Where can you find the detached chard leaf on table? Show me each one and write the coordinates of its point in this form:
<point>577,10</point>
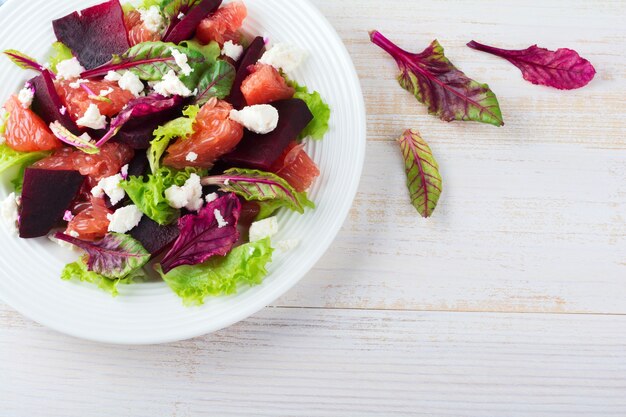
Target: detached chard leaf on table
<point>444,89</point>
<point>563,69</point>
<point>423,178</point>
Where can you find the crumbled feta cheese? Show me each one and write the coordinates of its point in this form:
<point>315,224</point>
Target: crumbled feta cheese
<point>111,187</point>
<point>182,61</point>
<point>9,212</point>
<point>131,82</point>
<point>284,246</point>
<point>180,16</point>
<point>63,243</point>
<point>26,95</point>
<point>220,219</point>
<point>192,157</point>
<point>152,19</point>
<point>211,197</point>
<point>92,118</point>
<point>125,219</point>
<point>284,56</point>
<point>76,84</point>
<point>113,76</point>
<point>124,171</point>
<point>63,110</point>
<point>69,69</point>
<point>261,118</point>
<point>188,196</point>
<point>232,50</point>
<point>74,234</point>
<point>104,93</point>
<point>171,85</point>
<point>263,228</point>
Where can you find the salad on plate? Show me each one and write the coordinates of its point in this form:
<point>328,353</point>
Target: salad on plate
<point>159,136</point>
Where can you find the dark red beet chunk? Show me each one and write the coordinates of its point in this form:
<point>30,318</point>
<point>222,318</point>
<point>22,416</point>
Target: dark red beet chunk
<point>45,197</point>
<point>181,30</point>
<point>47,103</point>
<point>139,165</point>
<point>250,57</point>
<point>154,237</point>
<point>94,34</point>
<point>262,151</point>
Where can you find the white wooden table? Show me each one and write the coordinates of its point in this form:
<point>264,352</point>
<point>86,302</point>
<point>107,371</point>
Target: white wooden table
<point>511,301</point>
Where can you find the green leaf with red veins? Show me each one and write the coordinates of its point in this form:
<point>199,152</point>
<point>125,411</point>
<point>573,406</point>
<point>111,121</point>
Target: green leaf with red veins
<point>422,171</point>
<point>444,89</point>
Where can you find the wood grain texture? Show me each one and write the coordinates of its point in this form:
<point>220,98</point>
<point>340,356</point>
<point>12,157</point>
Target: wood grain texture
<point>403,316</point>
<point>312,362</point>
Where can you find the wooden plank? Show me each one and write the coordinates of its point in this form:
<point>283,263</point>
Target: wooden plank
<point>311,362</point>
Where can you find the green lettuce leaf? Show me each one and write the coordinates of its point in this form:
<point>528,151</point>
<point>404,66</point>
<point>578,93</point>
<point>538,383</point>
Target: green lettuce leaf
<point>60,52</point>
<point>321,112</point>
<point>163,135</point>
<point>10,158</point>
<point>78,271</point>
<point>245,265</point>
<point>148,194</point>
<point>217,81</point>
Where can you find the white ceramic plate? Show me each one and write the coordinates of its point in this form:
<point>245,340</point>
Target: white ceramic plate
<point>151,313</point>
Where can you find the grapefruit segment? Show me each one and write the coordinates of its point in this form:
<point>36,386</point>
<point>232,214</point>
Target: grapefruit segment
<point>77,100</point>
<point>222,26</point>
<point>137,31</point>
<point>25,131</point>
<point>296,167</point>
<point>265,85</point>
<point>92,223</point>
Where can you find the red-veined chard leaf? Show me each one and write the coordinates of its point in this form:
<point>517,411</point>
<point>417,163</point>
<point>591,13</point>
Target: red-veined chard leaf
<point>422,171</point>
<point>213,231</point>
<point>445,90</point>
<point>261,186</point>
<point>217,81</point>
<point>139,107</point>
<point>83,142</point>
<point>115,256</point>
<point>193,11</point>
<point>563,69</point>
<point>150,61</point>
<point>24,61</point>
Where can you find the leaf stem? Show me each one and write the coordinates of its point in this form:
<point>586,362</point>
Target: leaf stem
<point>388,46</point>
<point>485,48</point>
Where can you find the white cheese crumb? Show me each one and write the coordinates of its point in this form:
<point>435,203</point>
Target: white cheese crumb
<point>180,16</point>
<point>261,118</point>
<point>63,110</point>
<point>69,69</point>
<point>182,61</point>
<point>74,234</point>
<point>171,85</point>
<point>188,196</point>
<point>152,19</point>
<point>111,187</point>
<point>192,157</point>
<point>124,171</point>
<point>92,118</point>
<point>76,84</point>
<point>232,50</point>
<point>26,95</point>
<point>113,76</point>
<point>284,246</point>
<point>9,212</point>
<point>104,93</point>
<point>211,197</point>
<point>263,228</point>
<point>131,82</point>
<point>284,56</point>
<point>220,219</point>
<point>125,219</point>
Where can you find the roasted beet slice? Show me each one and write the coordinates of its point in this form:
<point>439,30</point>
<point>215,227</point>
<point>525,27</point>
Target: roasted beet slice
<point>45,197</point>
<point>262,151</point>
<point>94,34</point>
<point>251,56</point>
<point>139,165</point>
<point>137,132</point>
<point>47,103</point>
<point>154,237</point>
<point>181,30</point>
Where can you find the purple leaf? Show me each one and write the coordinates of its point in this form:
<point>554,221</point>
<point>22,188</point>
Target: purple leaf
<point>24,61</point>
<point>94,34</point>
<point>115,256</point>
<point>140,107</point>
<point>194,11</point>
<point>213,231</point>
<point>563,69</point>
<point>47,103</point>
<point>83,142</point>
<point>444,89</point>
